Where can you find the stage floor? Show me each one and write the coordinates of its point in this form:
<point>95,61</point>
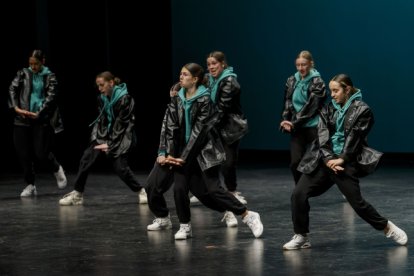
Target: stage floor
<point>108,236</point>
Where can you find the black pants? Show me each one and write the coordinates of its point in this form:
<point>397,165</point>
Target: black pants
<point>301,138</point>
<point>34,143</point>
<point>228,168</point>
<point>159,182</point>
<point>120,165</point>
<point>206,186</point>
<point>319,182</point>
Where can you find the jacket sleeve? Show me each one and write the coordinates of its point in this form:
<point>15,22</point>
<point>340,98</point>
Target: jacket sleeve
<point>286,112</point>
<point>162,145</point>
<point>172,125</point>
<point>14,89</point>
<point>199,130</point>
<point>324,140</point>
<point>357,134</point>
<point>49,103</point>
<point>121,123</point>
<point>228,89</point>
<point>165,129</point>
<point>316,99</point>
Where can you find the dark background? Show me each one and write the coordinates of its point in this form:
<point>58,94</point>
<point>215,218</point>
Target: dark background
<point>82,39</point>
<point>370,40</point>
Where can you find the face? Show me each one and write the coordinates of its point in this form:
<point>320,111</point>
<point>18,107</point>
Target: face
<point>214,67</point>
<point>186,79</point>
<point>338,93</point>
<point>35,64</point>
<point>104,86</point>
<point>303,66</point>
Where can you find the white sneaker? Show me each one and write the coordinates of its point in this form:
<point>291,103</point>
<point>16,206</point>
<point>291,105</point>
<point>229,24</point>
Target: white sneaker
<point>61,178</point>
<point>230,219</point>
<point>397,234</point>
<point>72,198</point>
<point>30,190</point>
<point>252,219</point>
<point>194,200</point>
<point>160,224</point>
<point>184,233</point>
<point>239,197</point>
<point>142,196</point>
<point>298,241</point>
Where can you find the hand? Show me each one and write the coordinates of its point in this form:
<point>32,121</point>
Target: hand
<point>102,147</point>
<point>336,164</point>
<point>174,161</point>
<point>174,89</point>
<point>25,113</point>
<point>286,125</point>
<point>161,160</point>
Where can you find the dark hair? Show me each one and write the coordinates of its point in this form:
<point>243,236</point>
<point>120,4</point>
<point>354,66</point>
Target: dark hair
<point>196,71</point>
<point>108,76</point>
<point>219,56</point>
<point>38,54</point>
<point>345,81</point>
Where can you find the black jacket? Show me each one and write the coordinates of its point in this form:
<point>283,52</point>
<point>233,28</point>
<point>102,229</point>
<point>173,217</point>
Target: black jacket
<point>204,144</point>
<point>121,135</point>
<point>20,90</point>
<point>316,99</point>
<point>231,121</point>
<point>359,120</point>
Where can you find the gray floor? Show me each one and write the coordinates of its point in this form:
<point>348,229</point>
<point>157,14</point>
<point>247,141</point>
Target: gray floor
<point>107,236</point>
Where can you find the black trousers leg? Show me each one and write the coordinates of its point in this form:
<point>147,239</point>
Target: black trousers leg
<point>228,169</point>
<point>124,172</point>
<point>88,159</point>
<point>308,186</point>
<point>159,182</point>
<point>348,184</point>
<point>22,138</point>
<point>300,139</point>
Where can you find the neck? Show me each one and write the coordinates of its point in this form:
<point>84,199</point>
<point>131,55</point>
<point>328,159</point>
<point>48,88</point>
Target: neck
<point>190,92</point>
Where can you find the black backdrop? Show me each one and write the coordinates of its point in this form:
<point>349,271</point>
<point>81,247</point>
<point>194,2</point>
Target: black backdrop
<point>81,39</point>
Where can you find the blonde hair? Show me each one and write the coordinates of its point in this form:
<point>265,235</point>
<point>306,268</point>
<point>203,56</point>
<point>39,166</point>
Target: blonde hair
<point>308,56</point>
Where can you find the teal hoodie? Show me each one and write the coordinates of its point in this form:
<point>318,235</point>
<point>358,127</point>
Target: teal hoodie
<point>213,83</point>
<point>300,94</point>
<point>118,92</point>
<point>37,97</point>
<point>187,104</point>
<point>338,139</point>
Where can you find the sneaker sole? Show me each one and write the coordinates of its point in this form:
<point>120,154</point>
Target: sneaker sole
<point>160,229</point>
<point>305,246</point>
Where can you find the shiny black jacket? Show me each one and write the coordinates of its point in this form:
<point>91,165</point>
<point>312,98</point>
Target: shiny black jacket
<point>20,90</point>
<point>121,135</point>
<point>204,144</point>
<point>359,120</point>
<point>231,121</point>
<point>316,99</point>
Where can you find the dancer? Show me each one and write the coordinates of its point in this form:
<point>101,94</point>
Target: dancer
<point>112,136</point>
<point>32,96</point>
<point>195,153</point>
<point>305,95</point>
<point>339,156</point>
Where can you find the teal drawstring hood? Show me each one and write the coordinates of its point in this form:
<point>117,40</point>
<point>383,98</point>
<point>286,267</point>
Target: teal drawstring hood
<point>187,103</point>
<point>37,97</point>
<point>338,139</point>
<point>118,92</point>
<point>300,94</point>
<point>213,83</point>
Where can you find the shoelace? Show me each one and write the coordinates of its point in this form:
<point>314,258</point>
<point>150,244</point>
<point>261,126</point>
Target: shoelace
<point>251,221</point>
<point>395,234</point>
